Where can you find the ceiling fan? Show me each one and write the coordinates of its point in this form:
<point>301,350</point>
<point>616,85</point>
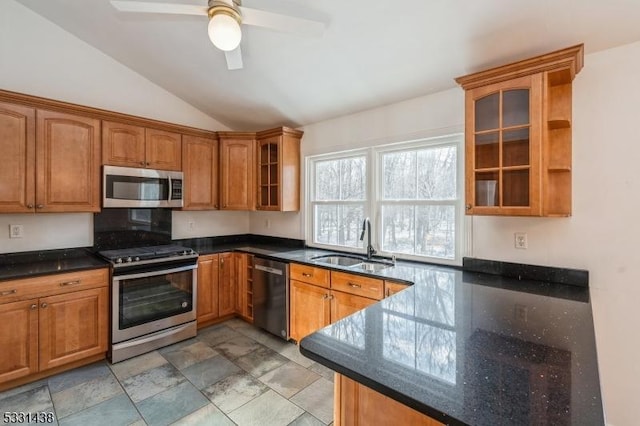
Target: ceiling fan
<point>225,17</point>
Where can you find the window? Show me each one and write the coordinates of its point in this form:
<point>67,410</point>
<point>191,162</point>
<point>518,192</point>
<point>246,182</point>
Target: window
<point>338,203</point>
<point>415,205</point>
<point>418,201</point>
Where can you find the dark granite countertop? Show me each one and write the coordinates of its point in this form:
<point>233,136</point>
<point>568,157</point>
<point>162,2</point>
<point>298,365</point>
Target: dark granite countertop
<point>34,263</point>
<point>472,348</point>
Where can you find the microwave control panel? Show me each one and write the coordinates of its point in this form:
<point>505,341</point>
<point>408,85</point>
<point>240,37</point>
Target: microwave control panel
<point>176,189</point>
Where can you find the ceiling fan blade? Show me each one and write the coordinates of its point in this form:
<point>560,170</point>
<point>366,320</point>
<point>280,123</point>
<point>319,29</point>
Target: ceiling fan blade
<point>234,59</point>
<point>167,8</point>
<point>283,23</point>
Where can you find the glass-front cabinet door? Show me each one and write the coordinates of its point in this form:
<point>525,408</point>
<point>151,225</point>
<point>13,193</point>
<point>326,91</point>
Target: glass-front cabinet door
<point>503,129</point>
<point>269,174</point>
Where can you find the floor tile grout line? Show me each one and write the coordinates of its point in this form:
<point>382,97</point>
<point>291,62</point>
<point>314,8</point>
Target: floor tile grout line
<point>250,332</point>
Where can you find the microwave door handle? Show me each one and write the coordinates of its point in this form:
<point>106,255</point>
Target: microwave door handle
<point>170,189</point>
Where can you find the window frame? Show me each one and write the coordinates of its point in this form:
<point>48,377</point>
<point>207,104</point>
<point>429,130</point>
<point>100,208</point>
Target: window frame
<point>311,203</point>
<point>374,201</point>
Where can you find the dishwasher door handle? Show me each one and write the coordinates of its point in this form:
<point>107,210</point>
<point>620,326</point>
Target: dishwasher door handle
<point>268,269</point>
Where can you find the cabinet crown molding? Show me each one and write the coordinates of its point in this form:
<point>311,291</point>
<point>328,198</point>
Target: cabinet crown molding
<point>570,60</point>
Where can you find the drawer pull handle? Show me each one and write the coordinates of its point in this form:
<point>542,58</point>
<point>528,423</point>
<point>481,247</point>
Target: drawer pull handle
<point>34,306</point>
<point>8,292</point>
<point>68,283</point>
<point>354,285</point>
<point>44,305</point>
<point>304,274</point>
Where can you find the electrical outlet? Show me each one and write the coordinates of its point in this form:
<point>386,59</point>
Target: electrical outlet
<point>520,240</point>
<point>16,231</point>
<point>520,312</point>
<point>191,225</point>
<point>267,224</point>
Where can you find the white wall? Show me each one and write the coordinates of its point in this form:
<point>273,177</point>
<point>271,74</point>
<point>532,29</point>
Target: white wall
<point>600,236</point>
<point>39,58</point>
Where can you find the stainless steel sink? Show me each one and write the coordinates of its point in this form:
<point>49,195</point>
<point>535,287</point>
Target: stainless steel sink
<point>352,262</point>
<point>371,266</point>
<point>338,260</point>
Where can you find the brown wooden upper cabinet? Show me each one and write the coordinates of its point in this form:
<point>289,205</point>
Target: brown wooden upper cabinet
<point>518,136</point>
<point>237,165</point>
<point>278,169</point>
<point>134,146</point>
<point>51,161</point>
<point>200,167</point>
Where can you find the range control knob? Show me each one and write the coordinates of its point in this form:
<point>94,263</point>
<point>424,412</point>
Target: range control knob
<point>137,259</point>
<point>192,252</point>
<point>184,253</point>
<point>119,260</point>
<point>129,259</point>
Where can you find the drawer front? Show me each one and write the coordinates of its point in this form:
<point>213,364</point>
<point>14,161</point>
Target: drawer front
<point>393,287</point>
<point>357,284</point>
<point>309,274</point>
<point>47,285</point>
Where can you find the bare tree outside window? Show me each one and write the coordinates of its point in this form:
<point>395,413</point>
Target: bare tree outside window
<point>412,198</point>
<point>418,201</point>
<point>340,194</point>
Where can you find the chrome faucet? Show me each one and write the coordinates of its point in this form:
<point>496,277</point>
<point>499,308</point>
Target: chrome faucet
<point>366,226</point>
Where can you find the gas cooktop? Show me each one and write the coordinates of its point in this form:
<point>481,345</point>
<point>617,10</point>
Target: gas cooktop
<point>150,254</point>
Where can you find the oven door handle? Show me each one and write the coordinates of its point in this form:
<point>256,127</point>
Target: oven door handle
<point>154,273</point>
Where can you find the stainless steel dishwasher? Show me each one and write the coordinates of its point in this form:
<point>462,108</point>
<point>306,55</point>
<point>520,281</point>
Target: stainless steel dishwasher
<point>271,296</point>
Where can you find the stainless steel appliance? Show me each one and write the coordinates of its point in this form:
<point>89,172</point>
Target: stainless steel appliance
<point>271,296</point>
<point>153,298</point>
<point>139,188</point>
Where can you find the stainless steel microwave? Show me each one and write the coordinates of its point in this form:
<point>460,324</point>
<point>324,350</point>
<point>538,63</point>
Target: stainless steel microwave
<point>131,187</point>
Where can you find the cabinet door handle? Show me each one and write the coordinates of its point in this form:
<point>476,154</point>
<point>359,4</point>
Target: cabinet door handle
<point>148,164</point>
<point>44,305</point>
<point>68,283</point>
<point>304,274</point>
<point>34,306</point>
<point>215,206</point>
<point>354,285</point>
<point>142,163</point>
<point>388,292</point>
<point>29,206</point>
<point>468,207</point>
<point>39,206</point>
<point>8,292</point>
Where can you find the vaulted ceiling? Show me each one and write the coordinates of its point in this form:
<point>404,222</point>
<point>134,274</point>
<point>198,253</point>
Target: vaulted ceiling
<point>372,53</point>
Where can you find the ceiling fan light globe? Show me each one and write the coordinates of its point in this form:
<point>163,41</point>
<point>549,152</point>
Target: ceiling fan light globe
<point>224,32</point>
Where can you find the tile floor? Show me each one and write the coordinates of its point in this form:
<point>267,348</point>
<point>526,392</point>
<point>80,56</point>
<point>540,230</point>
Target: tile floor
<point>231,373</point>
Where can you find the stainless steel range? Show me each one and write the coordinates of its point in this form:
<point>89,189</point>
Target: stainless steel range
<point>153,298</point>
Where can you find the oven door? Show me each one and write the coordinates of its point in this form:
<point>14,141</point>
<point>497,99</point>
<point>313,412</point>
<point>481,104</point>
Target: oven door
<point>142,188</point>
<point>147,301</point>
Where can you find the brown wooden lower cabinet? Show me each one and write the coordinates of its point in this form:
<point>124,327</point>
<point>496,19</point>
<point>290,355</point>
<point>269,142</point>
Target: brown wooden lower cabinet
<point>313,307</point>
<point>345,304</point>
<point>310,309</point>
<point>18,339</point>
<point>227,290</point>
<point>207,304</point>
<point>224,287</point>
<point>73,326</point>
<point>50,321</point>
<point>356,404</point>
<point>244,283</point>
